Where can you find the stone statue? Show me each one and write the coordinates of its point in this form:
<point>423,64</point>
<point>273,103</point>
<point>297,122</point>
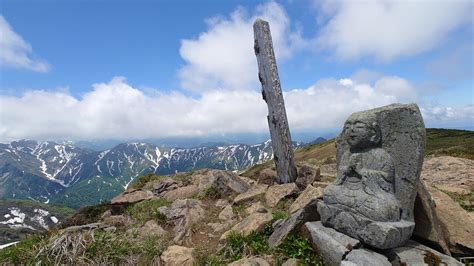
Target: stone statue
<point>379,158</point>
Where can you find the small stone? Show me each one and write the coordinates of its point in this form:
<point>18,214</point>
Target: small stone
<point>118,220</point>
<point>252,261</point>
<point>367,257</point>
<point>306,175</point>
<point>221,203</point>
<point>218,227</point>
<point>181,193</point>
<point>178,255</point>
<point>151,228</point>
<point>120,203</point>
<point>320,184</point>
<point>291,262</point>
<point>256,207</point>
<point>329,243</point>
<point>183,214</point>
<point>251,194</point>
<point>309,194</point>
<point>267,176</point>
<point>247,180</point>
<point>414,253</point>
<point>276,193</point>
<point>225,182</point>
<point>253,222</point>
<point>227,214</point>
<point>293,224</point>
<point>164,185</point>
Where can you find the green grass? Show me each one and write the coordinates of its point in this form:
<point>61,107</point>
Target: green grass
<point>239,208</point>
<point>280,214</point>
<point>147,210</point>
<point>24,252</point>
<point>141,181</point>
<point>451,142</point>
<point>296,246</point>
<point>211,192</point>
<point>238,246</point>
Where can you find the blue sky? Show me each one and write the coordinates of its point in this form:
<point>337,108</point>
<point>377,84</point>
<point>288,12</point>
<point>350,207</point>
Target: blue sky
<point>86,70</point>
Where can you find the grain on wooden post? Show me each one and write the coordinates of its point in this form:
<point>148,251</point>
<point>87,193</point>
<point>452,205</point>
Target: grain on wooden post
<point>273,96</point>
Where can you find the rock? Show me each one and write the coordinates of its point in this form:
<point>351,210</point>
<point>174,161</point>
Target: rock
<point>267,176</point>
<point>253,222</point>
<point>428,226</point>
<point>309,194</point>
<point>307,175</point>
<point>118,220</point>
<point>448,171</point>
<point>247,180</point>
<point>329,243</point>
<point>379,157</point>
<point>451,189</point>
<point>151,228</point>
<point>291,262</point>
<point>252,261</point>
<point>251,194</point>
<point>226,183</point>
<point>183,214</point>
<point>457,224</point>
<point>177,256</point>
<point>320,184</point>
<point>221,203</point>
<point>276,193</point>
<point>218,227</point>
<point>256,207</point>
<point>123,200</point>
<point>227,214</point>
<point>164,185</point>
<point>365,257</point>
<point>413,253</point>
<point>293,224</point>
<point>185,192</point>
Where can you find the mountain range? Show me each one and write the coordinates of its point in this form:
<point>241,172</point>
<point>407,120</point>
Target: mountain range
<point>64,174</point>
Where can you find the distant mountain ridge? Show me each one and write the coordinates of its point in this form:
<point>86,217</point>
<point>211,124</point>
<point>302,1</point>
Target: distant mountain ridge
<point>64,174</point>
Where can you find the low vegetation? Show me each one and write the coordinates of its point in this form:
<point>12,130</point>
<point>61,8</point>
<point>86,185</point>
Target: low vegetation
<point>141,181</point>
<point>92,247</point>
<point>256,244</point>
<point>451,142</point>
<point>148,210</point>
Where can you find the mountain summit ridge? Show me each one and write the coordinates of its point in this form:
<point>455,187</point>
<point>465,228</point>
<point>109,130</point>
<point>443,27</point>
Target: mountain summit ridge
<point>50,171</point>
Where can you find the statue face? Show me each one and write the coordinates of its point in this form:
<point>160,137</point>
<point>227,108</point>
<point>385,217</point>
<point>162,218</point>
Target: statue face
<point>359,134</point>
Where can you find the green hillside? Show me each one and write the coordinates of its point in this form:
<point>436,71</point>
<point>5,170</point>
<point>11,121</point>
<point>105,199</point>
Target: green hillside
<point>439,141</point>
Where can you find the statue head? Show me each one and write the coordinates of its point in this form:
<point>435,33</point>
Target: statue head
<point>362,131</point>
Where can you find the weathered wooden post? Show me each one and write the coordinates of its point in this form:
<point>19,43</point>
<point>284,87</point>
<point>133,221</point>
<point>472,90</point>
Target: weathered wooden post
<point>271,92</point>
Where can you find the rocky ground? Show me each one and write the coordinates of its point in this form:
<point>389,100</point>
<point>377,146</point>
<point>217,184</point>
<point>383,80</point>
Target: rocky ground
<point>214,217</point>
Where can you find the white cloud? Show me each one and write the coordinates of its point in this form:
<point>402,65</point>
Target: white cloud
<point>389,29</point>
<point>223,56</point>
<point>117,110</point>
<point>460,116</point>
<point>16,52</point>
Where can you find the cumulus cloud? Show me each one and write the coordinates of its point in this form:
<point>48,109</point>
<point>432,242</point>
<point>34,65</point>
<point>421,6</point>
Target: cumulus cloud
<point>389,29</point>
<point>16,52</point>
<point>117,110</point>
<point>223,58</point>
